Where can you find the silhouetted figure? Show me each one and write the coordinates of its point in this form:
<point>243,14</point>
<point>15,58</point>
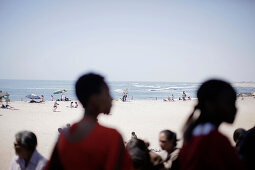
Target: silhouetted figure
<point>247,149</point>
<point>139,154</point>
<point>27,155</point>
<point>238,136</point>
<point>204,146</point>
<point>87,144</point>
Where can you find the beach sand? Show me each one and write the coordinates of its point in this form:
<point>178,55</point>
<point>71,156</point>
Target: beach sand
<point>146,118</point>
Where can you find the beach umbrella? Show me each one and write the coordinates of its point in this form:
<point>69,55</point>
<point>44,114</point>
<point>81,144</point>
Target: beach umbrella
<point>59,91</point>
<point>3,94</point>
<point>33,96</point>
<point>119,90</point>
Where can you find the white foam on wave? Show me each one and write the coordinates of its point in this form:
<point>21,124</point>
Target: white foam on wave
<point>47,89</point>
<point>146,86</point>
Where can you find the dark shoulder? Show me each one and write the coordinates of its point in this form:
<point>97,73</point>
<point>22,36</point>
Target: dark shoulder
<point>219,136</point>
<point>110,132</point>
<point>220,140</point>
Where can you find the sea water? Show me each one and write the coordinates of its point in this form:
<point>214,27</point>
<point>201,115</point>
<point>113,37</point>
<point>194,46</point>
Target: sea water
<point>19,89</point>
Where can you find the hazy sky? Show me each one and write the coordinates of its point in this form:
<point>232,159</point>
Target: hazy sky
<point>150,40</point>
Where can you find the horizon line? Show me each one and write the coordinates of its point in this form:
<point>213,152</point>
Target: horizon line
<point>128,81</point>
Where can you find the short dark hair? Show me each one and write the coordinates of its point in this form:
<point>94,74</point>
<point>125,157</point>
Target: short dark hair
<point>240,132</point>
<point>139,154</point>
<point>170,135</point>
<point>211,89</point>
<point>26,139</point>
<point>87,85</point>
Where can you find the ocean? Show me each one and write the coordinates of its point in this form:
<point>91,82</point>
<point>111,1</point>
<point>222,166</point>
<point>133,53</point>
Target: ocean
<point>18,89</point>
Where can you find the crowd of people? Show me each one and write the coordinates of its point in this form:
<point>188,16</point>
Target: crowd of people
<point>89,145</point>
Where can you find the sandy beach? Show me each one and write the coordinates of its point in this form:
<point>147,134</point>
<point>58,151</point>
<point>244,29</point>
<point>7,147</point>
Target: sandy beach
<point>146,118</point>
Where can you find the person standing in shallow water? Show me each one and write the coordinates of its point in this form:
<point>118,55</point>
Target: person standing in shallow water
<point>204,146</point>
<point>87,144</point>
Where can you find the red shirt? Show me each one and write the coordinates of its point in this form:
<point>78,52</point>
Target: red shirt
<point>101,149</point>
<point>209,152</point>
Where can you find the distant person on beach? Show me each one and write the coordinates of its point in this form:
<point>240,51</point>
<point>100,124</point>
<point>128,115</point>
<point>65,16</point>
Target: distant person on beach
<point>27,157</point>
<point>42,99</point>
<point>55,106</point>
<point>184,96</point>
<point>168,142</point>
<point>87,144</point>
<point>133,135</point>
<point>63,96</point>
<point>124,95</point>
<point>76,105</point>
<point>204,146</point>
<point>71,105</point>
<point>51,98</point>
<point>126,92</point>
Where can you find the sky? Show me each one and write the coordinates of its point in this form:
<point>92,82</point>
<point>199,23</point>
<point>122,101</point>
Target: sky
<point>132,40</point>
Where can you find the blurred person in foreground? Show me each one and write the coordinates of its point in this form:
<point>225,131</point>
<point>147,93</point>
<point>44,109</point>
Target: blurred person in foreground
<point>246,149</point>
<point>142,157</point>
<point>168,143</point>
<point>27,157</point>
<point>238,136</point>
<point>204,146</point>
<point>87,144</point>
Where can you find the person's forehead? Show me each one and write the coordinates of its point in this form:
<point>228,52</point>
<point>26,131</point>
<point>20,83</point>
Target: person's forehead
<point>162,136</point>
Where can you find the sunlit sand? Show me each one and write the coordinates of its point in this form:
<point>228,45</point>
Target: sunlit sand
<point>146,118</point>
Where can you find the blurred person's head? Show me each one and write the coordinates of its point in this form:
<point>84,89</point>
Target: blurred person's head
<point>25,143</point>
<point>167,140</point>
<point>60,130</point>
<point>139,154</point>
<point>93,93</point>
<point>216,104</point>
<point>238,134</point>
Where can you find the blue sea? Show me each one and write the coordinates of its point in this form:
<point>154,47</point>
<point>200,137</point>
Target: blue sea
<point>138,90</point>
